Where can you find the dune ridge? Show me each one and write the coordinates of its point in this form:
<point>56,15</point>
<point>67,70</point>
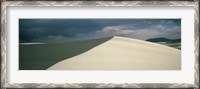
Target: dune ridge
<point>121,53</point>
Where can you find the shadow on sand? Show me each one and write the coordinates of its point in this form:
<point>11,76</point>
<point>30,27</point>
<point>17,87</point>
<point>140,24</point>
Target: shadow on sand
<point>42,56</point>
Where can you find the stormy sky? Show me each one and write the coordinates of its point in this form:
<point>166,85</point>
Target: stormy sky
<point>59,30</point>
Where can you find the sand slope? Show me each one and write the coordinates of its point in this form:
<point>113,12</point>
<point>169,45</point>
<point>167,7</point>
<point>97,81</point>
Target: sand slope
<point>34,56</point>
<point>120,53</point>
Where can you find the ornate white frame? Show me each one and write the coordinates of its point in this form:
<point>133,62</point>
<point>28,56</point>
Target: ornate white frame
<point>5,4</point>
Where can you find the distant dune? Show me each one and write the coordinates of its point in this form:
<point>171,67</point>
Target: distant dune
<point>174,45</point>
<point>120,53</point>
<point>30,43</point>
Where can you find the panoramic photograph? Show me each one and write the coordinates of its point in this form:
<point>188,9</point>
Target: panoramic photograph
<point>100,44</point>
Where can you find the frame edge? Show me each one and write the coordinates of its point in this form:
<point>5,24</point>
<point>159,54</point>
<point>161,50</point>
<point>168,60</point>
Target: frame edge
<point>93,85</point>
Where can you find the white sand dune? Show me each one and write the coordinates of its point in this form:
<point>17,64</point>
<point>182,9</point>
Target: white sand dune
<point>120,53</point>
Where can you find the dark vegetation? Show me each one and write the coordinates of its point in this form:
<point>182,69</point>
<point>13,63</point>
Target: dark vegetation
<point>164,40</point>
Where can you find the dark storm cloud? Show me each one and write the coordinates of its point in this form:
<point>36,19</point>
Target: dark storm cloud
<point>34,30</point>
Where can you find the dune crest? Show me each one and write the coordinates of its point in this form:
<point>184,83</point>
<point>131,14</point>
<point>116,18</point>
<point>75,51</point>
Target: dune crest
<point>121,53</point>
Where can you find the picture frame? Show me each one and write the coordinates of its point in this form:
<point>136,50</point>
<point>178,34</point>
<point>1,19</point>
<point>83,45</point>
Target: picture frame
<point>4,40</point>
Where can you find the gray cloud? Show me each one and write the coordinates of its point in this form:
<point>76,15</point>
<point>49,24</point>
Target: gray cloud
<point>143,34</point>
